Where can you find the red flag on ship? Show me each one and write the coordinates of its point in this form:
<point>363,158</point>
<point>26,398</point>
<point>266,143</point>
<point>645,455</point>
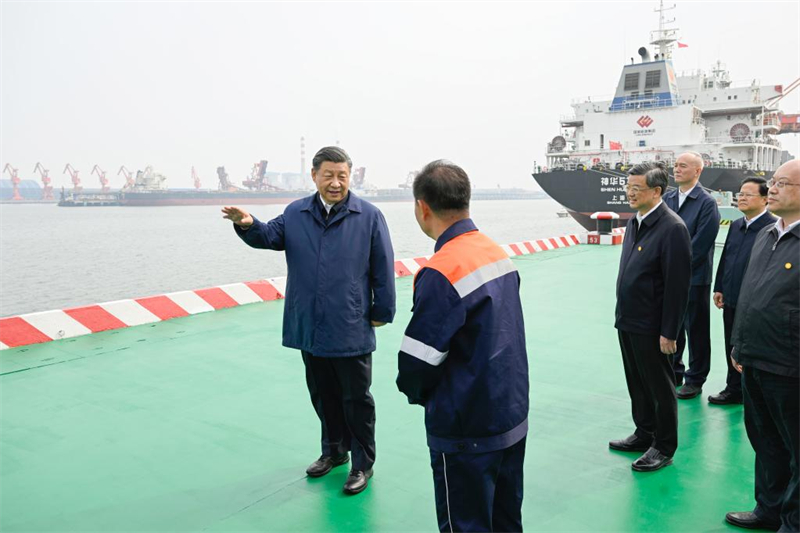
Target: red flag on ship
<point>681,45</point>
<point>613,145</point>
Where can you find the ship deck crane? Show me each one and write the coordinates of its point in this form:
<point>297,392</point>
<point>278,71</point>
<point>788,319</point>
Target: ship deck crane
<point>103,180</point>
<point>783,123</point>
<point>14,181</point>
<point>129,179</point>
<point>76,181</point>
<point>47,189</point>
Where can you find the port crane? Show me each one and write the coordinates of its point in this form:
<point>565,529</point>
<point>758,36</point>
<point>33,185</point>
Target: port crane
<point>103,180</point>
<point>129,179</point>
<point>196,179</point>
<point>14,180</point>
<point>47,189</point>
<point>76,181</point>
<point>257,180</point>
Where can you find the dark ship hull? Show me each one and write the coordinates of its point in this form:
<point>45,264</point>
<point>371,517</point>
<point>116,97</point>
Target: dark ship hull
<point>583,192</point>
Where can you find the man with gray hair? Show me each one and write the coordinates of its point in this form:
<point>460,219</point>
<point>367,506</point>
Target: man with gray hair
<point>700,214</point>
<point>340,287</point>
<point>766,350</point>
<point>652,292</point>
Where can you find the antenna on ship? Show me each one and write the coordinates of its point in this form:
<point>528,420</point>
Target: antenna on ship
<point>664,36</point>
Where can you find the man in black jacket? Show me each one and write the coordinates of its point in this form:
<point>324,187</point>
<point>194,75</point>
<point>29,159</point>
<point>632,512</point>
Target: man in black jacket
<point>699,211</point>
<point>766,349</point>
<point>752,201</point>
<point>652,293</point>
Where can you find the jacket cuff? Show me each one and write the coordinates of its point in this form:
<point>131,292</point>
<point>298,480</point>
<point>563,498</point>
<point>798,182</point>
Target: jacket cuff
<point>381,314</point>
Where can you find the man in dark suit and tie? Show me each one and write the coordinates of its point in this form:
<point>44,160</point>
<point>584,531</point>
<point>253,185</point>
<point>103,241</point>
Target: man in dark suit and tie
<point>752,201</point>
<point>700,214</point>
<point>652,294</point>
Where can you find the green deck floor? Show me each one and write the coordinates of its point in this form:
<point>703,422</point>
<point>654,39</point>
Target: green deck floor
<point>204,424</point>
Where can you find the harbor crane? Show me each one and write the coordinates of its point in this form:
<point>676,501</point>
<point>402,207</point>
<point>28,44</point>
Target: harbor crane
<point>103,180</point>
<point>76,181</point>
<point>129,179</point>
<point>14,181</point>
<point>47,189</point>
<point>196,179</point>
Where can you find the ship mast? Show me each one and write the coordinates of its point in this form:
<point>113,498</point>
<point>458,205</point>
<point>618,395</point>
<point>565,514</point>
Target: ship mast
<point>664,36</point>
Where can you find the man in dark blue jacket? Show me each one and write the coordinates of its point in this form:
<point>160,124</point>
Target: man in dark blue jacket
<point>340,286</point>
<point>652,291</point>
<point>766,350</point>
<point>463,358</point>
<point>752,201</point>
<point>700,214</point>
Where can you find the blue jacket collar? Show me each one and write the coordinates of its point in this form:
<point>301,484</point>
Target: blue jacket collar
<point>351,203</point>
<point>458,228</point>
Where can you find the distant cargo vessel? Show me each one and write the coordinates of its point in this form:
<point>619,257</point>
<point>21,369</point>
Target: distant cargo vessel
<point>148,189</point>
<point>656,115</point>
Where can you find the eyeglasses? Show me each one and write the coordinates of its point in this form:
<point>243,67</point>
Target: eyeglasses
<point>741,195</point>
<point>781,184</point>
<point>636,190</point>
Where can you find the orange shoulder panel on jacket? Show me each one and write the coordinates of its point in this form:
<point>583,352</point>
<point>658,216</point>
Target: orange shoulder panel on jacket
<point>465,254</point>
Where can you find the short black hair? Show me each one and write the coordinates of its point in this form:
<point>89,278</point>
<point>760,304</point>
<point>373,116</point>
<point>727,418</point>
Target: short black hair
<point>654,172</point>
<point>443,186</point>
<point>333,154</point>
<point>763,189</point>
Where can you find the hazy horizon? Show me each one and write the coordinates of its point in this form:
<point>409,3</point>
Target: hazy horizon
<point>176,85</point>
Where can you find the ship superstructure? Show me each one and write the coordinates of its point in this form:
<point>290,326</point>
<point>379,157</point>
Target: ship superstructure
<point>657,114</point>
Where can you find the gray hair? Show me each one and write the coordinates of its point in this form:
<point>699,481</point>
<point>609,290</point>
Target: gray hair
<point>654,172</point>
<point>332,154</point>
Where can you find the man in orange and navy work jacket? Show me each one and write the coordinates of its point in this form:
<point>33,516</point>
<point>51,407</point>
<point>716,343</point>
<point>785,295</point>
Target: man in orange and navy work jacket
<point>463,358</point>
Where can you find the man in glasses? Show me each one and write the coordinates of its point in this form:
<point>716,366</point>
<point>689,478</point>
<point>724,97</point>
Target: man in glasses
<point>700,213</point>
<point>752,201</point>
<point>766,350</point>
<point>652,292</point>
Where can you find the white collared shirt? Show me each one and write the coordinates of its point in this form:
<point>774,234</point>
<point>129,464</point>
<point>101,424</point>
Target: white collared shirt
<point>783,231</point>
<point>326,205</point>
<point>640,217</point>
<point>682,195</point>
<point>748,222</point>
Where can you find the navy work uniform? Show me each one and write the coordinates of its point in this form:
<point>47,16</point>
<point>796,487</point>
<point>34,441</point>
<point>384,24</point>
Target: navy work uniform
<point>463,358</point>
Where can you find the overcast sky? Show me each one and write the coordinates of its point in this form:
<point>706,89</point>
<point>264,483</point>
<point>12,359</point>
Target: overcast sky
<point>397,84</point>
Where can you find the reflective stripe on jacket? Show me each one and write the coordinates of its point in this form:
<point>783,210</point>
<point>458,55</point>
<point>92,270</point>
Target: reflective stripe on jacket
<point>463,355</point>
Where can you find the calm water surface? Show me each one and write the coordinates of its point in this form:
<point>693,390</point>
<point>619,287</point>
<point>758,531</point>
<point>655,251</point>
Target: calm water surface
<point>53,257</point>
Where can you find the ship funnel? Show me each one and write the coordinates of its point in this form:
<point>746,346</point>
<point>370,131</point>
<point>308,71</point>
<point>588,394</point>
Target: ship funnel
<point>645,54</point>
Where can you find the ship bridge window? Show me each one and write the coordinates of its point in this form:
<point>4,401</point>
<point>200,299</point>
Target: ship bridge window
<point>631,81</point>
<point>642,143</point>
<point>735,96</point>
<point>652,79</point>
<point>587,143</point>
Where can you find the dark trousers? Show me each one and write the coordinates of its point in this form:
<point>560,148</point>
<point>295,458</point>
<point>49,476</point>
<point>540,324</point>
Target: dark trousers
<point>651,385</point>
<point>697,326</point>
<point>339,388</point>
<point>772,420</point>
<point>479,491</point>
<point>734,381</point>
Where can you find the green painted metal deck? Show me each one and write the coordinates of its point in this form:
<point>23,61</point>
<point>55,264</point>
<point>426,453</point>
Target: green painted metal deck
<point>204,424</point>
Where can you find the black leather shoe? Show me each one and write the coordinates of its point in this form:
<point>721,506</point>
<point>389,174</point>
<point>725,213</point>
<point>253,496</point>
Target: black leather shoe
<point>630,444</point>
<point>725,397</point>
<point>357,481</point>
<point>689,391</point>
<point>651,460</point>
<point>325,464</point>
<point>749,520</point>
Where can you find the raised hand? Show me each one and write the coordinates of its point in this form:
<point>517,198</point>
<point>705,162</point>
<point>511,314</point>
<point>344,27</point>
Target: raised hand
<point>238,216</point>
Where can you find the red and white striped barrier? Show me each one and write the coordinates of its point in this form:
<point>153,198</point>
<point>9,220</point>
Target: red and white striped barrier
<point>35,328</point>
